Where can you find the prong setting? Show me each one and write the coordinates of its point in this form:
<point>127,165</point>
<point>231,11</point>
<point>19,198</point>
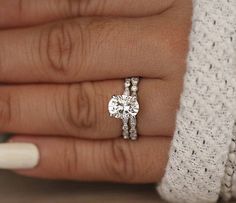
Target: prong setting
<point>126,107</point>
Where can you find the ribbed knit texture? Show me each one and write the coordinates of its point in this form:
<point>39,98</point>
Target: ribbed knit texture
<point>208,106</point>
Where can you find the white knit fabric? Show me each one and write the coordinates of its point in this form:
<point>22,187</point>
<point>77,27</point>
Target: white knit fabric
<point>208,106</point>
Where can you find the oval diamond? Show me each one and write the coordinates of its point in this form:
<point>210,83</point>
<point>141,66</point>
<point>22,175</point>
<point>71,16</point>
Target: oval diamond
<point>123,106</point>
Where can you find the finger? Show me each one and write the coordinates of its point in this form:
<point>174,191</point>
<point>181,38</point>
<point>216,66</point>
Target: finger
<point>117,160</point>
<point>93,49</point>
<point>81,110</point>
<point>30,12</point>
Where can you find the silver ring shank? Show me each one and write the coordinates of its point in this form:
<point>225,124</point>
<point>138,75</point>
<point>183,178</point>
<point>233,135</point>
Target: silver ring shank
<point>126,107</point>
<point>132,85</point>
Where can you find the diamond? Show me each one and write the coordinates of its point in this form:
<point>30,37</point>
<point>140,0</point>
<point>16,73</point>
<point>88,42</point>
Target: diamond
<point>123,106</point>
<point>134,88</point>
<point>127,83</point>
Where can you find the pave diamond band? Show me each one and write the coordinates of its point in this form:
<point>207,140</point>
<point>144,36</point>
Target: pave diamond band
<point>133,120</point>
<point>126,107</point>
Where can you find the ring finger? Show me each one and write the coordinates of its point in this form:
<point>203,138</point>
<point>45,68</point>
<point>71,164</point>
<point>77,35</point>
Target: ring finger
<point>81,109</point>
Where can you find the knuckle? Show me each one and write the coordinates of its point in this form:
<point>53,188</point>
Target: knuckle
<point>122,165</point>
<point>178,44</point>
<point>95,7</point>
<point>56,48</point>
<point>2,66</point>
<point>5,110</point>
<point>81,107</point>
<point>71,8</point>
<point>70,158</point>
<point>74,8</point>
<point>20,5</point>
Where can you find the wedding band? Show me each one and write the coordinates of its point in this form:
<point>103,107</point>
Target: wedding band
<point>126,108</point>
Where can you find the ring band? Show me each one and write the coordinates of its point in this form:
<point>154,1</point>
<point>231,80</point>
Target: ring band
<point>133,120</point>
<point>126,107</point>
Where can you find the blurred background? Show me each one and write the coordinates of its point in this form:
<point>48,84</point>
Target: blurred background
<point>16,189</point>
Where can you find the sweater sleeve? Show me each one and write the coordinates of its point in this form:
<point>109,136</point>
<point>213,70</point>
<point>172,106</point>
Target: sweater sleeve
<point>207,113</point>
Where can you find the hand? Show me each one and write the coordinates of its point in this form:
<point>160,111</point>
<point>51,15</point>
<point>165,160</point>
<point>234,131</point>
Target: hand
<point>60,63</point>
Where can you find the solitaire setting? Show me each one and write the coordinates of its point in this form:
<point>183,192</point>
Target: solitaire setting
<point>126,108</point>
<point>123,106</point>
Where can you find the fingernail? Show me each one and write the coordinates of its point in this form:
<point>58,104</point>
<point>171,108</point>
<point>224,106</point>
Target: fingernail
<point>18,156</point>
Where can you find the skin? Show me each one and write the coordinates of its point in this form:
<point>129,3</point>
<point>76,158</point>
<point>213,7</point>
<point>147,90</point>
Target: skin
<point>60,63</point>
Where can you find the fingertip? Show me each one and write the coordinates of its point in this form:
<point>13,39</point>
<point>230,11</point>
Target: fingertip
<point>18,155</point>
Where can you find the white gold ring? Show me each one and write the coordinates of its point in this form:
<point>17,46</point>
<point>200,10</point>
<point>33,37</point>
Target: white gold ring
<point>126,108</point>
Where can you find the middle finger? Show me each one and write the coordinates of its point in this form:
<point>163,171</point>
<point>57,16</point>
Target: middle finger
<point>81,109</point>
<point>88,49</point>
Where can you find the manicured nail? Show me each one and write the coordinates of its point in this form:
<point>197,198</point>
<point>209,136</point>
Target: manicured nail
<point>18,156</point>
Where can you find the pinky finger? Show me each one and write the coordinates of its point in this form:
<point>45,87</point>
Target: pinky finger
<point>117,160</point>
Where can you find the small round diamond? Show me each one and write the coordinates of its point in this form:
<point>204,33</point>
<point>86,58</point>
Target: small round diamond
<point>134,88</point>
<point>123,106</point>
<point>127,83</point>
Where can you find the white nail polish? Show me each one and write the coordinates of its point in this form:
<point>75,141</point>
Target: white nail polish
<point>18,156</point>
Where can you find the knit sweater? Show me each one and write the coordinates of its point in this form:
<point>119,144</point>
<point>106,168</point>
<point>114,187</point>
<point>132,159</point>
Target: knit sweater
<point>207,113</point>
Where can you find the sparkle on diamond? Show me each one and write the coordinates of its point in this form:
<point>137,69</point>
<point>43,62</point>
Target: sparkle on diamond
<point>123,106</point>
